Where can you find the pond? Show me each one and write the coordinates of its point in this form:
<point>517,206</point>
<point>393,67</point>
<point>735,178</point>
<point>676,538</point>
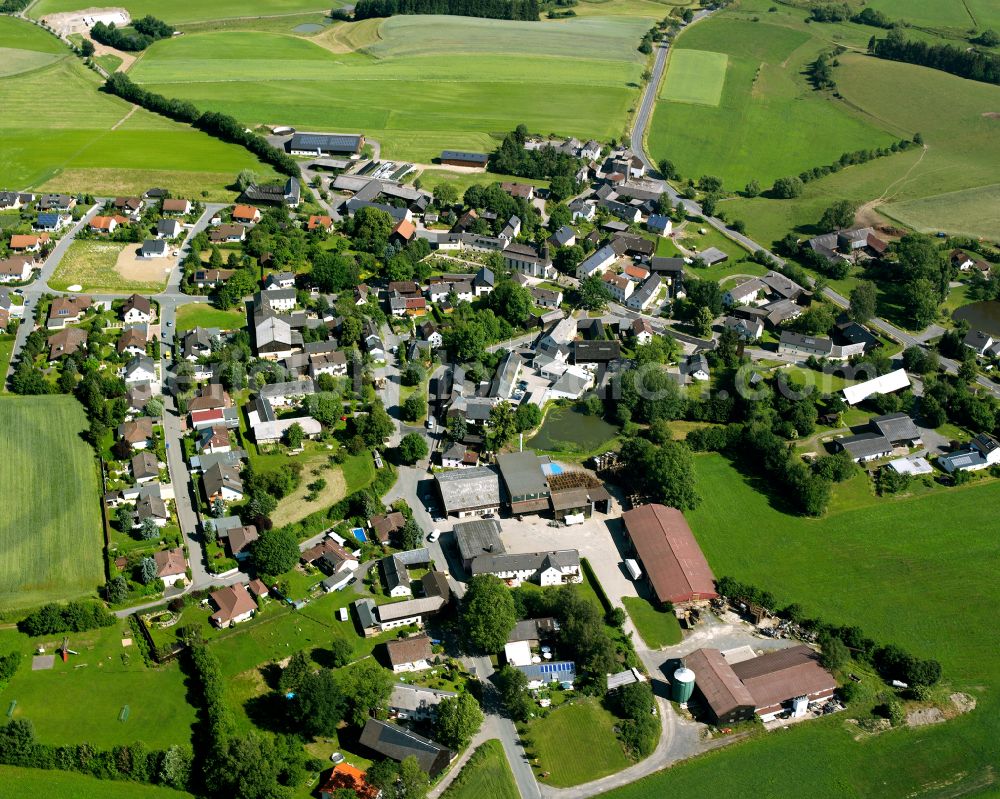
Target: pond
<point>569,429</point>
<point>308,27</point>
<point>983,316</point>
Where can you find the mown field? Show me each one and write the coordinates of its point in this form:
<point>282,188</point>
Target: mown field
<point>16,783</point>
<point>919,572</point>
<point>191,10</point>
<point>91,142</point>
<point>767,121</point>
<point>487,775</point>
<point>50,537</point>
<point>421,84</point>
<point>198,314</point>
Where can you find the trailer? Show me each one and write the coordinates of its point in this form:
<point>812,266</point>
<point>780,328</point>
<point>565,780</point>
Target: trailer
<point>633,568</point>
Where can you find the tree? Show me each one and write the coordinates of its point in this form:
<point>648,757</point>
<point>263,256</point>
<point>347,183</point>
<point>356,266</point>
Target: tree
<point>668,170</point>
<point>920,361</point>
<point>125,517</point>
<point>366,688</point>
<point>376,426</point>
<point>922,300</point>
<point>488,613</point>
<point>116,591</point>
<point>864,298</point>
<point>816,321</point>
<point>414,407</point>
<point>445,195</point>
<point>512,685</point>
<point>665,472</point>
<point>412,448</point>
<point>371,228</point>
<point>341,652</point>
<point>594,294</point>
<point>294,436</point>
<point>294,673</point>
<point>147,570</point>
<point>502,425</point>
<point>527,416</point>
<point>276,551</point>
<point>787,188</point>
<point>413,781</point>
<point>413,375</point>
<point>834,655</point>
<point>457,428</point>
<point>838,216</point>
<point>318,706</point>
<point>86,48</point>
<point>333,272</point>
<point>752,189</point>
<point>410,535</point>
<point>932,412</point>
<point>703,322</point>
<point>148,531</point>
<point>511,302</point>
<point>458,719</point>
<point>175,768</point>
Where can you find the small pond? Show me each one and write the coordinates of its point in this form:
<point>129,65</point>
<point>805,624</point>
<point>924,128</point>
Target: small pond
<point>569,429</point>
<point>308,27</point>
<point>983,316</point>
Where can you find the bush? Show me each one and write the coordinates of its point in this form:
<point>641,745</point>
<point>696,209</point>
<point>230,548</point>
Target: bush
<point>75,617</point>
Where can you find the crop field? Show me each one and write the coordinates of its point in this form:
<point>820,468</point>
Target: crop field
<point>91,264</point>
<point>767,121</point>
<point>425,84</point>
<point>50,538</point>
<point>695,76</point>
<point>20,782</point>
<point>191,10</point>
<point>918,572</point>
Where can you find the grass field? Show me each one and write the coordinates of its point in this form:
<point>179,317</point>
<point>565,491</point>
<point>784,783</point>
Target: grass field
<point>198,314</point>
<point>16,783</point>
<point>695,76</point>
<point>421,84</point>
<point>91,264</point>
<point>973,212</point>
<point>919,572</point>
<point>191,10</point>
<point>6,350</point>
<point>486,775</point>
<point>575,743</point>
<point>430,178</point>
<point>657,628</point>
<point>51,534</point>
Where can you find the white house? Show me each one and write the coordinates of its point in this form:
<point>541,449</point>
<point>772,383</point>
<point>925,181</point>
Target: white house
<point>140,369</point>
<point>171,567</point>
<point>546,568</point>
<point>621,287</point>
<point>597,262</point>
<point>409,654</point>
<point>659,224</point>
<point>746,293</point>
<point>137,310</point>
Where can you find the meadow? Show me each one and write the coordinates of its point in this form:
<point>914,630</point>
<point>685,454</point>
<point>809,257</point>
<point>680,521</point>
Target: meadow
<point>51,533</point>
<point>16,783</point>
<point>767,121</point>
<point>197,314</point>
<point>486,775</point>
<point>917,571</point>
<point>191,10</point>
<point>419,84</point>
<point>91,264</point>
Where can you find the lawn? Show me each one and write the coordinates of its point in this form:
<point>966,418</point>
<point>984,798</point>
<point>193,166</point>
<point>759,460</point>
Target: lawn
<point>486,775</point>
<point>91,264</point>
<point>763,121</point>
<point>93,687</point>
<point>907,571</point>
<point>20,782</point>
<point>695,76</point>
<point>575,743</point>
<point>51,535</point>
<point>6,350</point>
<point>424,84</point>
<point>198,314</point>
<point>657,628</point>
<point>295,507</point>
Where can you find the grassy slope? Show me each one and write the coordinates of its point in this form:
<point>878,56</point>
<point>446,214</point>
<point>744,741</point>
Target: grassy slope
<point>20,782</point>
<point>487,775</point>
<point>51,532</point>
<point>919,572</point>
<point>774,123</point>
<point>426,84</point>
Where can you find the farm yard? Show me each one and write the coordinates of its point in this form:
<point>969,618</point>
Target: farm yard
<point>911,571</point>
<point>420,84</point>
<point>51,536</point>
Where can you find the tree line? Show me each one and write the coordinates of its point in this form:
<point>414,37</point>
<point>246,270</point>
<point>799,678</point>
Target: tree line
<point>525,10</point>
<point>74,617</point>
<point>13,6</point>
<point>145,31</point>
<point>221,126</point>
<point>972,64</point>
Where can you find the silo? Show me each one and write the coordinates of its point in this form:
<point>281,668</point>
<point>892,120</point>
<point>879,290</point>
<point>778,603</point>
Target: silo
<point>683,685</point>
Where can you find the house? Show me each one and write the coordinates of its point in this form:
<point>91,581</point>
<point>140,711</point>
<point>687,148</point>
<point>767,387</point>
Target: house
<point>154,248</point>
<point>672,561</point>
<point>883,384</point>
<point>597,262</point>
<point>746,329</point>
<point>403,232</point>
<point>629,213</point>
<point>983,451</point>
<point>211,278</point>
<point>329,363</point>
<point>596,351</point>
<point>746,293</point>
<point>864,447</point>
<point>346,780</point>
<point>542,674</point>
<point>646,294</point>
<point>288,193</point>
<point>140,368</point>
<point>642,331</point>
<point>144,467</point>
<point>171,566</point>
<point>66,310</point>
<point>853,333</point>
<point>9,200</point>
<point>321,144</point>
<point>274,337</point>
<point>409,654</point>
<point>619,286</point>
<point>525,481</point>
<point>385,524</point>
<point>712,256</point>
<point>783,287</point>
<point>235,605</point>
<point>227,233</point>
<point>28,242</point>
<point>660,225</point>
<point>138,396</point>
<point>137,433</point>
<point>526,260</point>
<point>258,589</point>
<point>56,202</point>
<point>239,541</point>
<point>546,298</point>
<point>564,237</point>
<point>899,429</point>
<point>168,229</point>
<point>150,505</point>
<point>416,702</point>
<point>395,574</point>
<point>176,206</point>
<point>981,343</point>
<point>696,367</point>
<point>559,567</point>
<point>136,310</point>
<point>469,492</point>
<point>246,214</point>
<point>50,221</point>
<point>276,299</point>
<point>581,209</point>
<point>633,246</point>
<point>429,332</point>
<point>130,206</point>
<point>66,342</point>
<point>321,222</point>
<point>460,158</point>
<point>798,344</point>
<point>222,482</point>
<point>16,269</point>
<point>477,538</point>
<point>398,743</point>
<point>214,439</point>
<point>635,272</point>
<point>210,397</point>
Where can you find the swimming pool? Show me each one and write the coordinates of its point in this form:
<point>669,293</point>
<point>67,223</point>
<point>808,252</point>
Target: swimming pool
<point>552,468</point>
<point>359,534</point>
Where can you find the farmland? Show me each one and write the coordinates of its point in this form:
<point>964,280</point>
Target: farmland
<point>903,570</point>
<point>190,10</point>
<point>422,84</point>
<point>51,535</point>
<point>695,76</point>
<point>19,782</point>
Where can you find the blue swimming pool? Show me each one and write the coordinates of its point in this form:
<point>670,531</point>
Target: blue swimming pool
<point>359,534</point>
<point>552,468</point>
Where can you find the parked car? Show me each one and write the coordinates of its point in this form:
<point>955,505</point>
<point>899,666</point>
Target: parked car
<point>435,534</point>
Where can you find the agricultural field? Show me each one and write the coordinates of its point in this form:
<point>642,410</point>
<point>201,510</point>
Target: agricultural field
<point>51,536</point>
<point>191,10</point>
<point>419,84</point>
<point>756,118</point>
<point>94,142</point>
<point>93,265</point>
<point>486,775</point>
<point>905,572</point>
<point>19,782</point>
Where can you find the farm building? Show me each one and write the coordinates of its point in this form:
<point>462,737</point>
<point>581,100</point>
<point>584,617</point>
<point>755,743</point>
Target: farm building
<point>727,699</point>
<point>398,743</point>
<point>469,492</point>
<point>320,144</point>
<point>460,158</point>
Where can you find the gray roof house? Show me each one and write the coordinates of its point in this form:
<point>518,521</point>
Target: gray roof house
<point>477,538</point>
<point>398,743</point>
<point>865,446</point>
<point>469,492</point>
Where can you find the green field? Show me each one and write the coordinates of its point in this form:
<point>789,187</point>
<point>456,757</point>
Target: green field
<point>695,76</point>
<point>422,83</point>
<point>768,121</point>
<point>920,572</point>
<point>486,775</point>
<point>198,314</point>
<point>17,783</point>
<point>973,212</point>
<point>51,532</point>
<point>575,744</point>
<point>658,628</point>
<point>6,350</point>
<point>191,10</point>
<point>91,264</point>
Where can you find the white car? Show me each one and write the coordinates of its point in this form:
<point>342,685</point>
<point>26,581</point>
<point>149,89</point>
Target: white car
<point>434,535</point>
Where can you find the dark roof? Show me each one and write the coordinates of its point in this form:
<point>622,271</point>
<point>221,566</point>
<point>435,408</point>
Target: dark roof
<point>398,743</point>
<point>435,583</point>
<point>783,675</point>
<point>522,473</point>
<point>595,351</point>
<point>478,537</point>
<point>458,155</point>
<point>897,427</point>
<point>321,141</point>
<point>865,445</point>
<point>408,650</point>
<point>718,683</point>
